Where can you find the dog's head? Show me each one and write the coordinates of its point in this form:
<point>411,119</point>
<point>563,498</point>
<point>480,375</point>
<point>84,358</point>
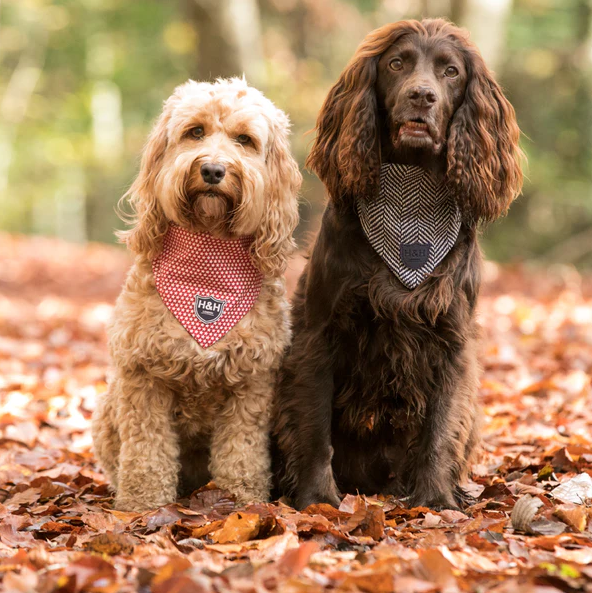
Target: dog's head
<point>218,161</point>
<point>420,92</point>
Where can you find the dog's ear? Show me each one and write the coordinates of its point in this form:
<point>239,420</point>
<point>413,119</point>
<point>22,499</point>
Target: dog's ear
<point>345,152</point>
<point>147,217</point>
<point>273,242</point>
<point>484,156</point>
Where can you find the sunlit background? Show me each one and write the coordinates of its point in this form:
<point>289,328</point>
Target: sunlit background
<point>82,80</point>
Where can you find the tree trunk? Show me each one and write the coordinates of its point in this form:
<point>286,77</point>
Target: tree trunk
<point>487,21</point>
<point>457,10</point>
<point>229,39</point>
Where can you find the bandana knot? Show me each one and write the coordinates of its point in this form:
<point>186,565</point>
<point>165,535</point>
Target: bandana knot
<point>412,224</point>
<point>208,284</point>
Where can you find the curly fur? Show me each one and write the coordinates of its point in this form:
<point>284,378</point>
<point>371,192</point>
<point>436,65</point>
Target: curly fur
<point>378,392</point>
<point>176,414</point>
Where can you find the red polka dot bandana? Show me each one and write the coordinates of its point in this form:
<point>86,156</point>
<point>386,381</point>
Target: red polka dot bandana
<point>208,284</point>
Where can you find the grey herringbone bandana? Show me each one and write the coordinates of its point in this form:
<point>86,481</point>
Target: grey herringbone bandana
<point>412,224</point>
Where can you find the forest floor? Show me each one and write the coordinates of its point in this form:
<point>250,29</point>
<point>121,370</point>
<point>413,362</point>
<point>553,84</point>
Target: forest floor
<point>530,529</point>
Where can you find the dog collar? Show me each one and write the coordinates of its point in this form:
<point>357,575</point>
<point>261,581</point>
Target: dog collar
<point>208,284</point>
<point>412,224</point>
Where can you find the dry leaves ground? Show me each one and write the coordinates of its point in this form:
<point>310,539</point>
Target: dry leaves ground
<point>529,530</point>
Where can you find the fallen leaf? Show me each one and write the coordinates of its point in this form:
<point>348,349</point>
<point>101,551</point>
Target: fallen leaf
<point>110,544</point>
<point>573,515</point>
<point>524,512</point>
<point>577,490</point>
<point>239,527</point>
<point>294,560</point>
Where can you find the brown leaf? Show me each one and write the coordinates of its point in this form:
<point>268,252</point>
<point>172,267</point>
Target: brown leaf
<point>170,569</point>
<point>208,500</point>
<point>238,528</point>
<point>547,527</point>
<point>476,540</point>
<point>579,556</point>
<point>524,512</point>
<point>178,584</point>
<point>25,581</point>
<point>91,573</point>
<point>293,561</point>
<point>13,538</point>
<point>199,532</point>
<point>562,461</point>
<point>431,520</point>
<point>432,566</point>
<point>451,516</point>
<point>370,581</point>
<point>26,497</point>
<point>326,510</point>
<point>100,522</point>
<point>574,515</point>
<point>110,544</point>
<point>409,584</point>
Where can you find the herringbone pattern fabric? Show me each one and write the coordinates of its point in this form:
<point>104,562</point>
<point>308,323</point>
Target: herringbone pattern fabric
<point>412,224</point>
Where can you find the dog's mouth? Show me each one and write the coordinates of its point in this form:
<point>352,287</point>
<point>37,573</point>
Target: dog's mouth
<point>416,132</point>
<point>212,205</point>
<point>209,210</point>
<point>417,128</point>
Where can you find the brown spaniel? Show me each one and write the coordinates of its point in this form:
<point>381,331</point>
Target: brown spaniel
<point>378,392</point>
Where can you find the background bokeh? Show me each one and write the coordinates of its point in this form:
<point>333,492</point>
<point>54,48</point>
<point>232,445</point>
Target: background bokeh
<point>82,80</point>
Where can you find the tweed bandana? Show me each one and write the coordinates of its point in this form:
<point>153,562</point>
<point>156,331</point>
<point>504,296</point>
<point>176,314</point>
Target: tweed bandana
<point>208,284</point>
<point>412,224</point>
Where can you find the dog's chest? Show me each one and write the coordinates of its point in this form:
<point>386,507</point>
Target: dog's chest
<point>389,370</point>
<point>195,410</point>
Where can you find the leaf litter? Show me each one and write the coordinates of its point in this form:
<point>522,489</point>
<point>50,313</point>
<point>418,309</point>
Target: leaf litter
<point>529,528</point>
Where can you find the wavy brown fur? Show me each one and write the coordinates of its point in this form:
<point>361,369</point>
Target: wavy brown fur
<point>379,390</point>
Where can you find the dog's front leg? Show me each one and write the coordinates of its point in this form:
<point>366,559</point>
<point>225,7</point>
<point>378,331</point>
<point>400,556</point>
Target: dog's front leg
<point>303,424</point>
<point>444,447</point>
<point>149,458</point>
<point>239,457</point>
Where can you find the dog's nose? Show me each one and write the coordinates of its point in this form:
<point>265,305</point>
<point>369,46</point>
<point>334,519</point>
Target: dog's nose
<point>422,96</point>
<point>213,173</point>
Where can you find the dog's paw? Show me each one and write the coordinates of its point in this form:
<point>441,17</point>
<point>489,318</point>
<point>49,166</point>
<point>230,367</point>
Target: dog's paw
<point>435,501</point>
<point>305,499</point>
<point>138,505</point>
<point>245,496</point>
<point>463,498</point>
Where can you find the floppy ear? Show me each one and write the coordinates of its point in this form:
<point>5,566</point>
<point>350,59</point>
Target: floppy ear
<point>484,156</point>
<point>147,217</point>
<point>345,152</point>
<point>273,242</point>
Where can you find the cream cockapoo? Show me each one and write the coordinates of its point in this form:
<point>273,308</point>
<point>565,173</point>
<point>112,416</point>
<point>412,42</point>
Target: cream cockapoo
<point>177,414</point>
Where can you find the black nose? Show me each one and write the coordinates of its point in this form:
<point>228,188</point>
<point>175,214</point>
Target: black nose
<point>422,96</point>
<point>213,173</point>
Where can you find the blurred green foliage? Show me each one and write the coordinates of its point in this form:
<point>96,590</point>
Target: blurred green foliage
<point>82,80</point>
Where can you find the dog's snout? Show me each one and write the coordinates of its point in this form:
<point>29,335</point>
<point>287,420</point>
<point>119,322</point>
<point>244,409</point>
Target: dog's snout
<point>422,96</point>
<point>213,173</point>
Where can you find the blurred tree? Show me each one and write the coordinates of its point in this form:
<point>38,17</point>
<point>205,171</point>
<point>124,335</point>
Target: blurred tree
<point>487,21</point>
<point>229,38</point>
<point>82,80</point>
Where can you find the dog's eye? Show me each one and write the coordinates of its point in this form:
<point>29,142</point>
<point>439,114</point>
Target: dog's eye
<point>396,64</point>
<point>197,132</point>
<point>243,139</point>
<point>451,72</point>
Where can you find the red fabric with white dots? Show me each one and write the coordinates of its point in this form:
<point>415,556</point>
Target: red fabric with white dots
<point>208,284</point>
